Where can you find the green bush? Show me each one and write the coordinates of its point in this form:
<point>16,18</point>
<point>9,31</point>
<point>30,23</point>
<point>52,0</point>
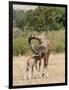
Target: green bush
<point>57,39</point>
<point>21,46</point>
<point>59,48</point>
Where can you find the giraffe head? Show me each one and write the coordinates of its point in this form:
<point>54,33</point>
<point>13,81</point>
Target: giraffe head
<point>38,35</point>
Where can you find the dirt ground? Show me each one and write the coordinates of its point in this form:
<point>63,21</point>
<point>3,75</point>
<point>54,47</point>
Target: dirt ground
<point>56,69</point>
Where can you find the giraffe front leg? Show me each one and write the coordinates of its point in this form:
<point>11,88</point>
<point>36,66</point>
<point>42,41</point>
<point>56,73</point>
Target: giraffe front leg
<point>45,67</point>
<point>38,70</point>
<point>40,74</point>
<point>30,73</point>
<point>45,72</point>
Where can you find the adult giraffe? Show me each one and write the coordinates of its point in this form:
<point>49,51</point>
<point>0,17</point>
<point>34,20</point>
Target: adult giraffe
<point>43,51</point>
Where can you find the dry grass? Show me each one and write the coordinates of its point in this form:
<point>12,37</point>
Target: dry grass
<point>56,71</point>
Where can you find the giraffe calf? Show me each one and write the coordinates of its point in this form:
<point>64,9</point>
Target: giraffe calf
<point>30,65</point>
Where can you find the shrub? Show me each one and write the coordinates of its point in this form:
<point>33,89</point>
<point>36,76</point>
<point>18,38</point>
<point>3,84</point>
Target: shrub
<point>57,39</point>
<point>20,46</point>
<point>59,48</point>
<point>16,32</point>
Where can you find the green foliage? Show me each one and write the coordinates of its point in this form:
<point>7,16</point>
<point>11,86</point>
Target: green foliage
<point>43,18</point>
<point>50,20</point>
<point>20,46</point>
<point>36,43</point>
<point>17,32</point>
<point>19,18</point>
<point>20,43</point>
<point>57,39</point>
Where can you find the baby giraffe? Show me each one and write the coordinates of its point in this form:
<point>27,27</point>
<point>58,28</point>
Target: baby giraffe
<point>30,65</point>
<point>32,62</point>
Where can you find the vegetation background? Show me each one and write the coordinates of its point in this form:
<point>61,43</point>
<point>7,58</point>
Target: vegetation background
<point>50,20</point>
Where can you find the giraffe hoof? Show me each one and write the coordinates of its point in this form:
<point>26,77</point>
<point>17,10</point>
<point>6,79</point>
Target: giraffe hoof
<point>46,76</point>
<point>43,75</point>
